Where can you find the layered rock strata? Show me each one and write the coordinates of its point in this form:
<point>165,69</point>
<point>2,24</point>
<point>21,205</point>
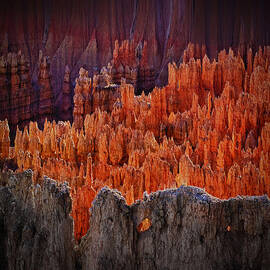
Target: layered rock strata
<point>64,100</point>
<point>19,101</point>
<point>77,35</point>
<point>46,102</point>
<point>129,64</point>
<point>133,64</point>
<point>89,96</point>
<point>4,140</point>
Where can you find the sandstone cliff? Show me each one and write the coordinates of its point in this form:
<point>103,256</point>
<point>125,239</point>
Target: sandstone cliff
<point>20,101</point>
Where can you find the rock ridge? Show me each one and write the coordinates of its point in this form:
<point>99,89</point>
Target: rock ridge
<point>189,229</point>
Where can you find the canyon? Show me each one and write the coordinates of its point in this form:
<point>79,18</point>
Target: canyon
<point>189,229</point>
<point>134,134</point>
<point>209,127</point>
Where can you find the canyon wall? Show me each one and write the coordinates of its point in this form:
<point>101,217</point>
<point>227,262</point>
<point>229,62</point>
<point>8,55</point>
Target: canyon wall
<point>20,100</point>
<point>137,37</point>
<point>148,111</point>
<point>178,228</point>
<point>84,34</point>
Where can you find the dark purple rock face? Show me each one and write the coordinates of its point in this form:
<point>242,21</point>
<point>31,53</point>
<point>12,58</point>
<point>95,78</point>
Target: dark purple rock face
<point>83,33</point>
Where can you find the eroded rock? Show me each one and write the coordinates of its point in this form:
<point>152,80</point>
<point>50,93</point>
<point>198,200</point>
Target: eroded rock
<point>189,230</point>
<point>36,229</point>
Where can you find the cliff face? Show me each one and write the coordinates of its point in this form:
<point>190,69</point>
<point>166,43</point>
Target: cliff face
<point>209,127</point>
<point>188,230</point>
<point>84,34</point>
<point>20,101</point>
<point>36,230</point>
<point>178,228</point>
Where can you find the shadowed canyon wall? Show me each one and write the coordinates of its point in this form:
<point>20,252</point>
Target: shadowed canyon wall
<point>83,34</point>
<point>36,229</point>
<point>188,229</point>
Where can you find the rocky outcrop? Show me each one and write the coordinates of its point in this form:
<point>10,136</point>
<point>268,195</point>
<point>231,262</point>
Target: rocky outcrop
<point>64,100</point>
<point>132,64</point>
<point>4,140</point>
<point>129,65</point>
<point>36,229</point>
<point>20,102</point>
<point>81,98</point>
<point>4,97</point>
<point>188,230</point>
<point>101,94</point>
<point>177,228</point>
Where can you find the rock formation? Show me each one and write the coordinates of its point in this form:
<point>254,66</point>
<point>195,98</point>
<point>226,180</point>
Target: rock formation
<point>5,140</point>
<point>129,64</point>
<point>45,93</point>
<point>132,64</point>
<point>139,96</point>
<point>36,229</point>
<point>17,96</point>
<point>4,97</point>
<point>189,230</point>
<point>85,34</point>
<point>101,94</point>
<point>20,102</point>
<point>64,100</point>
<point>177,228</point>
<point>185,133</point>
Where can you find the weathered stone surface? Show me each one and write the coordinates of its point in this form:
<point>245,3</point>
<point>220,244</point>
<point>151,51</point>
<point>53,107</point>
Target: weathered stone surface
<point>178,228</point>
<point>132,63</point>
<point>4,140</point>
<point>64,100</point>
<point>189,230</point>
<point>36,229</point>
<point>20,102</point>
<point>46,103</point>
